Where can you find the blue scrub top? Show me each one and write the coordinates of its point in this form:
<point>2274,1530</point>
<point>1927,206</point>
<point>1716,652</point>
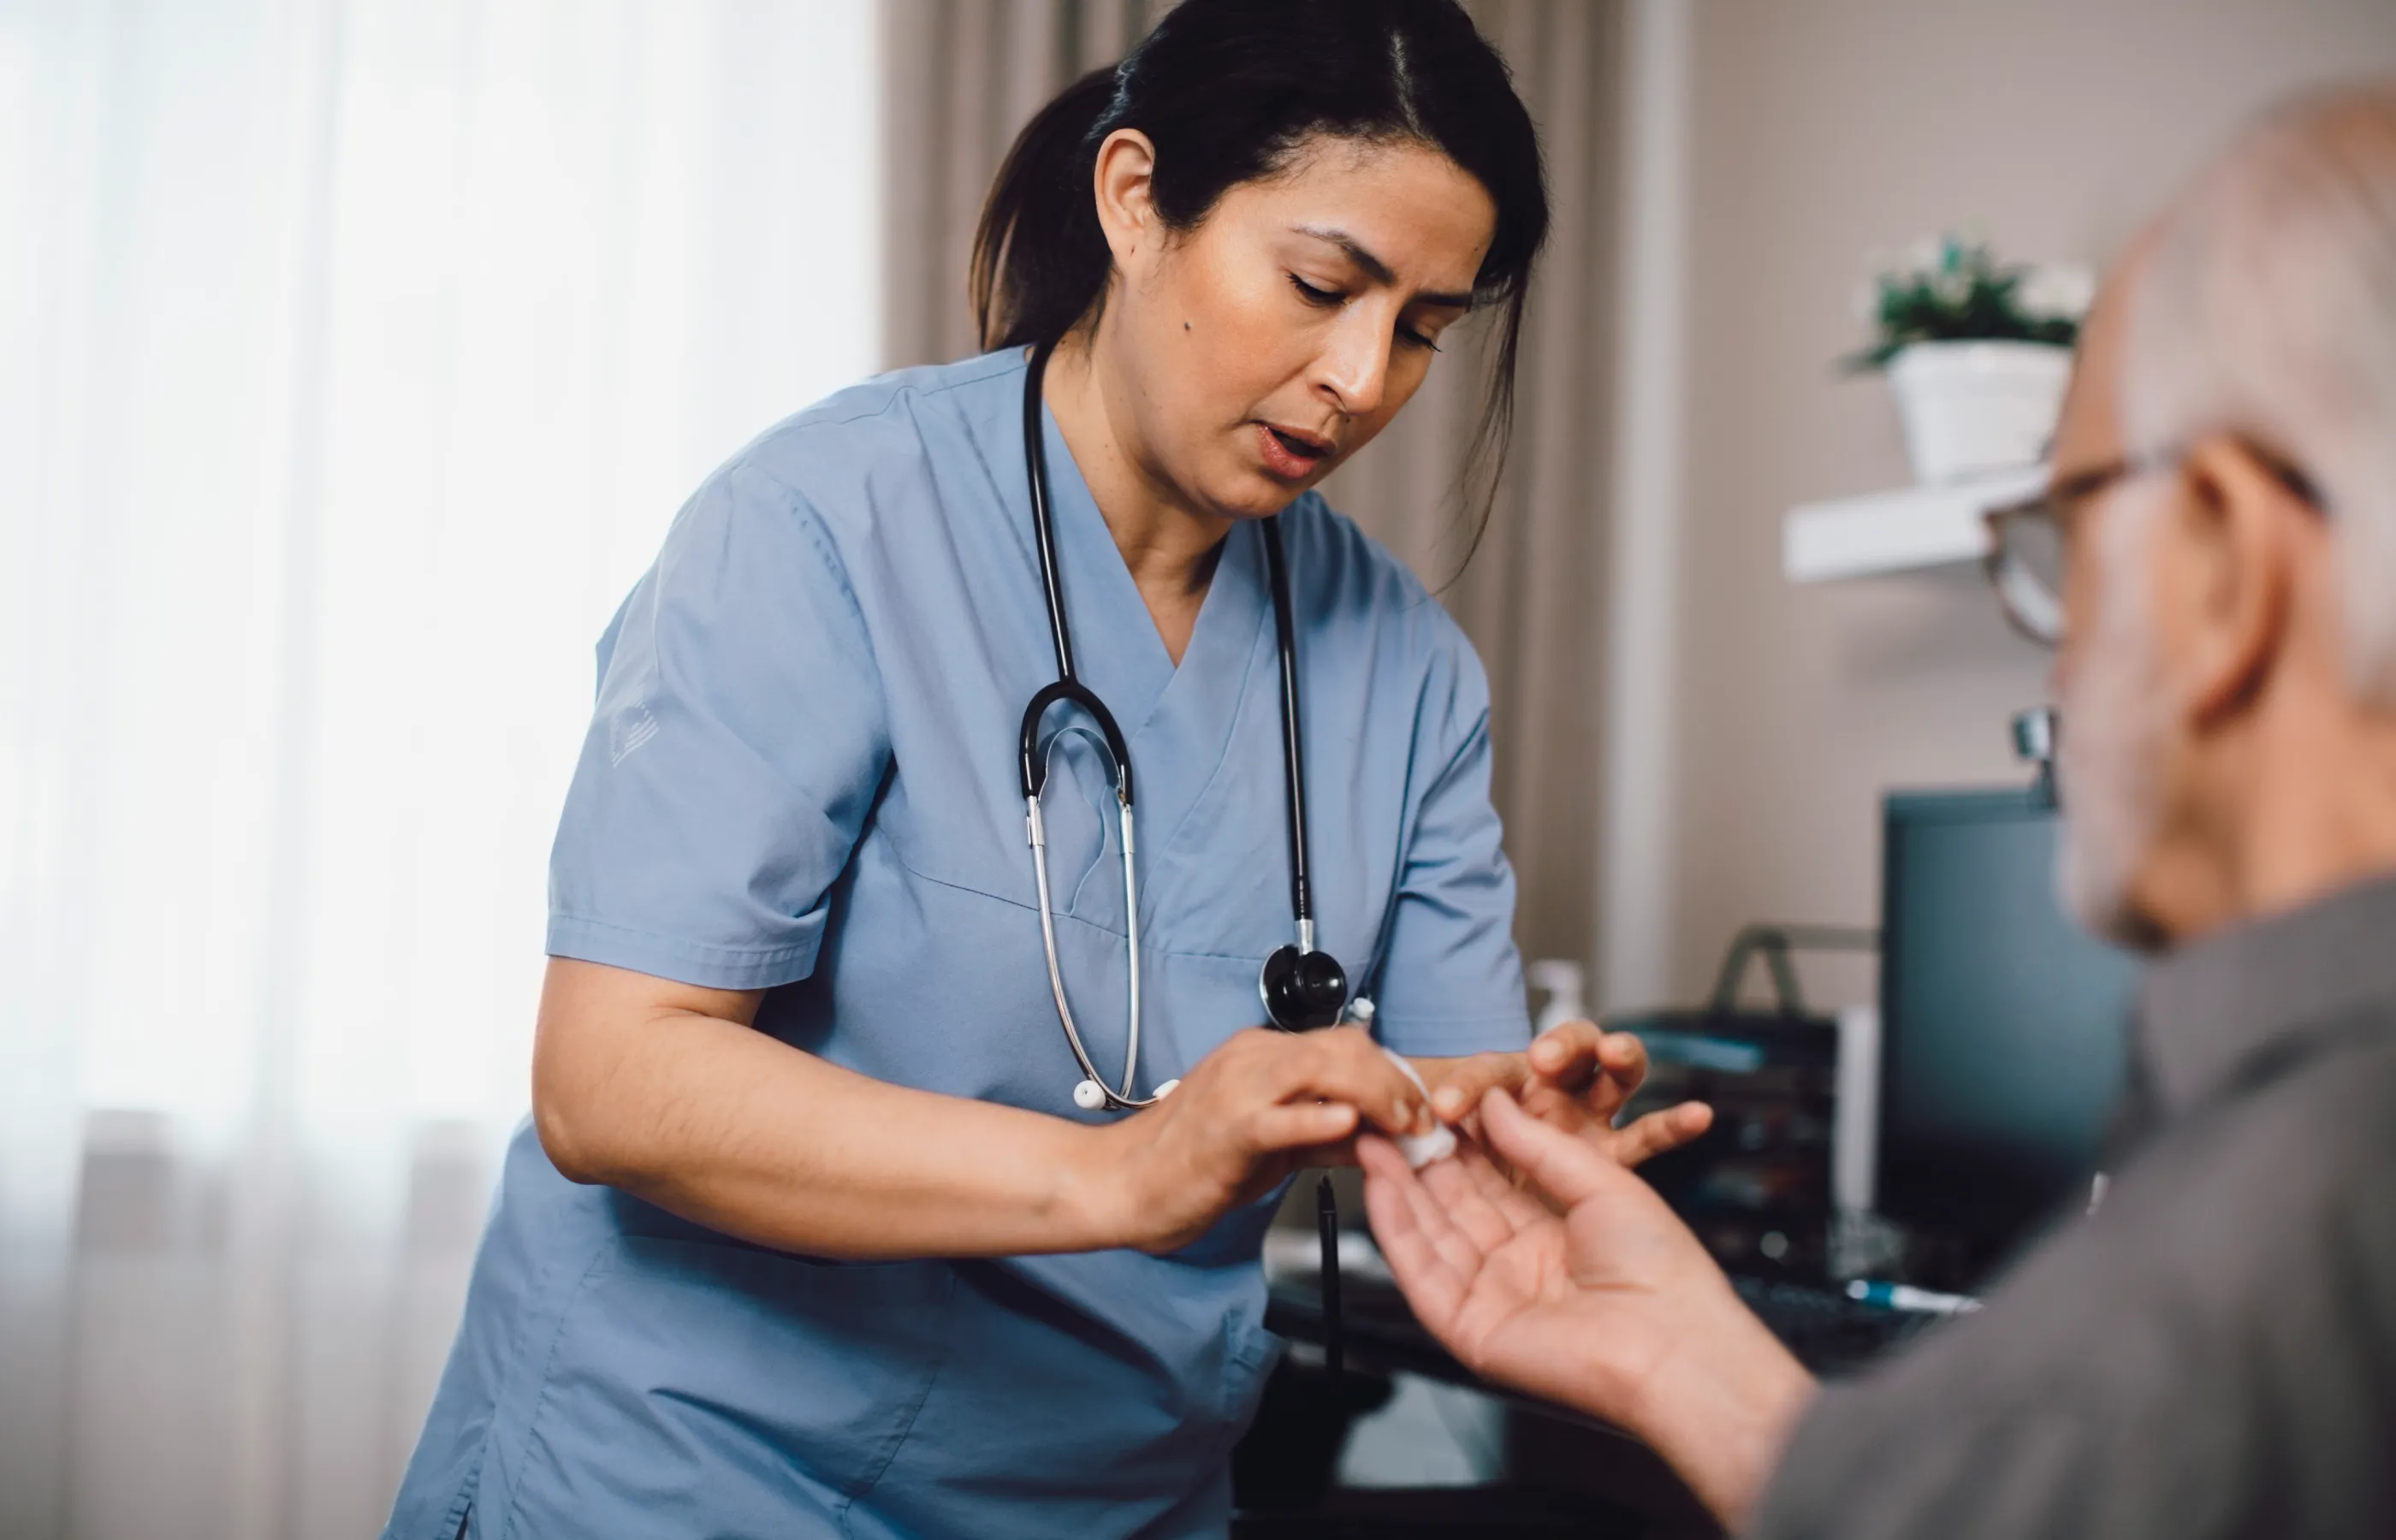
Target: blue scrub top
<point>801,779</point>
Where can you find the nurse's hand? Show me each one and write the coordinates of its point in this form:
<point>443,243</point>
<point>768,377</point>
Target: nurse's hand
<point>1577,1077</point>
<point>1263,1105</point>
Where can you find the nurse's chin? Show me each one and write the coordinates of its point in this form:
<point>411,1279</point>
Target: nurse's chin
<point>1261,496</point>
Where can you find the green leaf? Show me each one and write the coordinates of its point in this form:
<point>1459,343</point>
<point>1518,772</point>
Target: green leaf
<point>1970,298</point>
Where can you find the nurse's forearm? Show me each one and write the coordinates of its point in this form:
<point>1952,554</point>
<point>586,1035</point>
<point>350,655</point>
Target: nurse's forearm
<point>666,1092</point>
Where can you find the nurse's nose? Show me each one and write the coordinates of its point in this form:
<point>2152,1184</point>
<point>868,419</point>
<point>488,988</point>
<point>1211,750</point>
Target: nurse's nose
<point>1354,371</point>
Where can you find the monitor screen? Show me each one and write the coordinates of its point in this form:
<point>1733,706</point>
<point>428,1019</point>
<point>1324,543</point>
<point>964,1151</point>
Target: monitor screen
<point>2003,1024</point>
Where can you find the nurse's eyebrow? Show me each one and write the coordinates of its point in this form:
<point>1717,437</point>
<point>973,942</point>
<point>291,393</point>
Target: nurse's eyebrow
<point>1377,270</point>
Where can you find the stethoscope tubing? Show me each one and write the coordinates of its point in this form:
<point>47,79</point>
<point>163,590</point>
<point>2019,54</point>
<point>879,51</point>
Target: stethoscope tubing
<point>1034,767</point>
<point>1038,834</point>
<point>1292,743</point>
<point>1044,526</point>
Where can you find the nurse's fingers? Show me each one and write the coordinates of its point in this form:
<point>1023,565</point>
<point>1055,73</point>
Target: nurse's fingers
<point>1658,1131</point>
<point>1464,1081</point>
<point>1318,1132</point>
<point>1601,1069</point>
<point>1343,1064</point>
<point>1566,1055</point>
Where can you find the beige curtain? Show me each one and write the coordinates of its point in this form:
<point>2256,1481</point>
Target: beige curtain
<point>963,76</point>
<point>960,77</point>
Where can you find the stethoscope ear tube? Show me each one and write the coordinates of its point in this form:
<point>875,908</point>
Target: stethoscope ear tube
<point>1093,1093</point>
<point>1293,741</point>
<point>1044,529</point>
<point>1301,988</point>
<point>1035,768</point>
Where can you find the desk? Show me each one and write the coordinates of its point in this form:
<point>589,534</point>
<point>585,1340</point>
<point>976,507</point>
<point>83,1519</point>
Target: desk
<point>1380,1330</point>
<point>1569,1473</point>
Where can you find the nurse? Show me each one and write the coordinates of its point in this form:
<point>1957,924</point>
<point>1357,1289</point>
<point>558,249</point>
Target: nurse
<point>823,1226</point>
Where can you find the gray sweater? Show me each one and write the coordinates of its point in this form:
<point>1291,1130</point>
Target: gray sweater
<point>2213,1353</point>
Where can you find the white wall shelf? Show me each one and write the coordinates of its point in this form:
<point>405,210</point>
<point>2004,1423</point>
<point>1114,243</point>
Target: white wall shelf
<point>1902,531</point>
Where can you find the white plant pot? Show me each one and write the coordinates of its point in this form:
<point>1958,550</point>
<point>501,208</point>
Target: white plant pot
<point>1969,407</point>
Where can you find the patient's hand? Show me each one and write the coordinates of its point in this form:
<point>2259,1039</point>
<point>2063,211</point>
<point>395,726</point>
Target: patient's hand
<point>1612,1308</point>
<point>1577,1077</point>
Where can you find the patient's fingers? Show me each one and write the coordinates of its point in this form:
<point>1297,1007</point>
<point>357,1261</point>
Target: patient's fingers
<point>1431,1286</point>
<point>1519,1208</point>
<point>1447,1231</point>
<point>1468,1206</point>
<point>1566,1169</point>
<point>1395,1228</point>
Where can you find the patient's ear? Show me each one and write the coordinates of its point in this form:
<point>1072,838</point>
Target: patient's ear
<point>2224,579</point>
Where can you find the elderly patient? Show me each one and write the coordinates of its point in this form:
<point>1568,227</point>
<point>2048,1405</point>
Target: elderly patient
<point>2213,1353</point>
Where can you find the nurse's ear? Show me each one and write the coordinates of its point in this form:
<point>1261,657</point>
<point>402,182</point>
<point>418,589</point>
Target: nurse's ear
<point>1123,182</point>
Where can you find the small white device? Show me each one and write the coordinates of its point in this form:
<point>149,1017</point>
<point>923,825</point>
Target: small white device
<point>1422,1149</point>
<point>1090,1096</point>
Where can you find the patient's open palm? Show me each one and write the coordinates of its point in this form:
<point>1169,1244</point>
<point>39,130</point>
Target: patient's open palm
<point>1579,1309</point>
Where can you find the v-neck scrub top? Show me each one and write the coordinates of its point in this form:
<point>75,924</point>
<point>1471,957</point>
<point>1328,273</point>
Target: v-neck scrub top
<point>801,779</point>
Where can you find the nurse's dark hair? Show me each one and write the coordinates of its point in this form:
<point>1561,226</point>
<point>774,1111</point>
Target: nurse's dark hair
<point>1227,91</point>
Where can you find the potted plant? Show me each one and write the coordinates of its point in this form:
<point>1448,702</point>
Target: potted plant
<point>1976,354</point>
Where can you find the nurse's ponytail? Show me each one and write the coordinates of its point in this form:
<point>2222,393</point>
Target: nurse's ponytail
<point>1039,258</point>
<point>1226,90</point>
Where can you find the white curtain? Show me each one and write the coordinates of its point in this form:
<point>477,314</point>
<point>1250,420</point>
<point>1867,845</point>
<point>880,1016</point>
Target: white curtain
<point>353,355</point>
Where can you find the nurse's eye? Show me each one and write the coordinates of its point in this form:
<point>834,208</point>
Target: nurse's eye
<point>1326,299</point>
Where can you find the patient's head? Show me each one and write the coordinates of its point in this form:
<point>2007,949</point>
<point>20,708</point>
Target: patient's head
<point>2227,673</point>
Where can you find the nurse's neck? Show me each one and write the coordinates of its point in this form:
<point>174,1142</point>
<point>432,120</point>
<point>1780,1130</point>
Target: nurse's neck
<point>1170,547</point>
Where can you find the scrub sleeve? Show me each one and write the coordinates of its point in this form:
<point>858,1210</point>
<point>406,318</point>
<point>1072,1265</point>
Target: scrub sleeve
<point>1450,952</point>
<point>733,757</point>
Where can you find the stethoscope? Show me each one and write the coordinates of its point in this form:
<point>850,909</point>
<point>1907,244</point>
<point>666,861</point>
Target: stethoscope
<point>1302,989</point>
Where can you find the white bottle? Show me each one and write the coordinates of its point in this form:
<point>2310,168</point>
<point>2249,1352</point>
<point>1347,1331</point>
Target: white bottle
<point>1562,980</point>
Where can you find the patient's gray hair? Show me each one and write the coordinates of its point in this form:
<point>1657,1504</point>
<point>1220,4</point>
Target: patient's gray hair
<point>2269,309</point>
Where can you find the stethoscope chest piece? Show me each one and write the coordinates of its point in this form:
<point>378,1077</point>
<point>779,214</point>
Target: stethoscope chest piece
<point>1303,990</point>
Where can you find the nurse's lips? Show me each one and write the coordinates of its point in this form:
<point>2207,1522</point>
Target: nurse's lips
<point>1291,455</point>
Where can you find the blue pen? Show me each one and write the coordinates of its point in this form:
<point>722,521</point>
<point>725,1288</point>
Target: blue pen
<point>1904,1297</point>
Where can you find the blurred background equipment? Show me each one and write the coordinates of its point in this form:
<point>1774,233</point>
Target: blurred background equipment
<point>2004,1031</point>
<point>1562,986</point>
<point>1757,1187</point>
<point>1998,1046</point>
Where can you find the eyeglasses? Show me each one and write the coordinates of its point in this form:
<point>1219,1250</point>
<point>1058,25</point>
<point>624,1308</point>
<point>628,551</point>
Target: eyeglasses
<point>2030,541</point>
